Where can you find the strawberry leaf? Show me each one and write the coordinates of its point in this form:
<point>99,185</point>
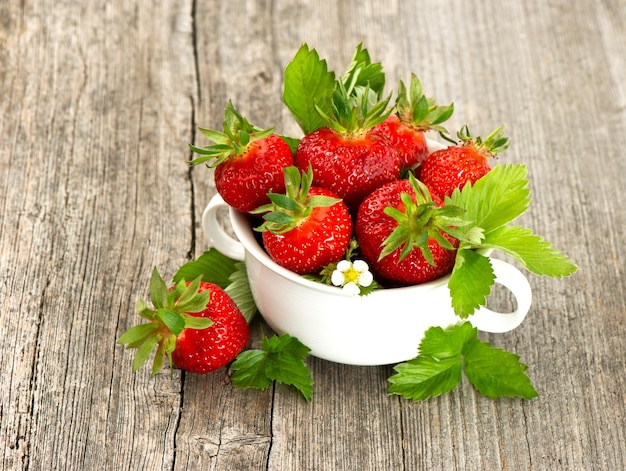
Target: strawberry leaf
<point>308,84</point>
<point>239,291</point>
<point>249,370</point>
<point>195,322</point>
<point>496,199</point>
<point>425,377</point>
<point>446,343</point>
<point>443,353</point>
<point>279,359</point>
<point>535,253</point>
<point>137,333</point>
<point>496,373</point>
<point>212,266</point>
<point>141,307</point>
<point>158,290</point>
<point>471,282</point>
<point>363,73</point>
<point>143,352</point>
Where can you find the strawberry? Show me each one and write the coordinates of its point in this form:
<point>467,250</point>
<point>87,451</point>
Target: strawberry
<point>195,324</point>
<point>415,114</point>
<point>453,167</point>
<point>307,228</point>
<point>348,156</point>
<point>248,161</point>
<point>406,234</point>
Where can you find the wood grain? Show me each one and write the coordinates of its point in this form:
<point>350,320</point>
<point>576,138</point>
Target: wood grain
<point>97,105</point>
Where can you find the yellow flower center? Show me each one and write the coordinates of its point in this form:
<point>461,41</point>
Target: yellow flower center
<point>351,275</point>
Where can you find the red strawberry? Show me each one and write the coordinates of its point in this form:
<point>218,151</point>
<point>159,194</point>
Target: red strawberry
<point>450,168</point>
<point>406,235</point>
<point>348,157</point>
<point>248,161</point>
<point>415,114</point>
<point>196,325</point>
<point>307,228</point>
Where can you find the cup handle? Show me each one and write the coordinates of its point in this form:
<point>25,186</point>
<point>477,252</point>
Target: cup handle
<point>513,279</point>
<point>219,238</point>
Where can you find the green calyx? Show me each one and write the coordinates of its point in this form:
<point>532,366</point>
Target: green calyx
<point>355,107</point>
<point>234,140</point>
<point>493,144</point>
<point>362,72</point>
<point>421,220</point>
<point>287,211</point>
<point>168,317</point>
<point>412,107</point>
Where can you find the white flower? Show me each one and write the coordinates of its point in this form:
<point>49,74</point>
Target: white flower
<point>352,275</point>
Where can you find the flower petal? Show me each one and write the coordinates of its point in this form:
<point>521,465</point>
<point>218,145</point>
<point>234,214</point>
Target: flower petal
<point>360,266</point>
<point>366,278</point>
<point>337,278</point>
<point>351,288</point>
<point>344,265</point>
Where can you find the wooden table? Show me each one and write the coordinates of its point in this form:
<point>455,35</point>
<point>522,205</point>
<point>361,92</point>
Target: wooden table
<point>98,101</point>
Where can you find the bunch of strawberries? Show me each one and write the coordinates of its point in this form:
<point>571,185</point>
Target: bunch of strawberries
<point>360,183</point>
<point>365,174</point>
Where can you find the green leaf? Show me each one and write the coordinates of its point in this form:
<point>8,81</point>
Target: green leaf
<point>442,344</point>
<point>136,333</point>
<point>425,377</point>
<point>535,253</point>
<point>496,373</point>
<point>143,351</point>
<point>437,370</point>
<point>158,290</point>
<point>196,322</point>
<point>470,283</point>
<point>213,266</point>
<point>239,291</point>
<point>280,359</point>
<point>157,363</point>
<point>496,199</point>
<point>196,304</point>
<point>143,310</point>
<point>292,142</point>
<point>362,73</point>
<point>308,83</point>
<point>173,320</point>
<point>283,201</point>
<point>175,292</point>
<point>249,370</point>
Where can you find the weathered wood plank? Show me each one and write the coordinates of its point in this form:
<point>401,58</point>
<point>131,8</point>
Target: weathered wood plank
<point>97,105</point>
<point>98,112</point>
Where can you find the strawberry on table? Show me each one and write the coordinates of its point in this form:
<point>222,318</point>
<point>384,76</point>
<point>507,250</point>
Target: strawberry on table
<point>248,161</point>
<point>407,235</point>
<point>348,156</point>
<point>453,167</point>
<point>306,228</point>
<point>195,324</point>
<point>414,115</point>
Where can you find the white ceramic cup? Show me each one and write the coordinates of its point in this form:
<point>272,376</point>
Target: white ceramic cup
<point>384,327</point>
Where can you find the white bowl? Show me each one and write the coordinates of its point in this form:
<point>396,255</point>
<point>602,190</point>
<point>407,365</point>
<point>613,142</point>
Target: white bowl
<point>381,328</point>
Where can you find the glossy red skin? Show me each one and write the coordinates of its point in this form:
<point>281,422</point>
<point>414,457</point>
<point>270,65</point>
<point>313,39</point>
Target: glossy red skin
<point>410,142</point>
<point>373,226</point>
<point>244,180</point>
<point>319,240</point>
<point>350,167</point>
<point>450,168</point>
<point>206,350</point>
